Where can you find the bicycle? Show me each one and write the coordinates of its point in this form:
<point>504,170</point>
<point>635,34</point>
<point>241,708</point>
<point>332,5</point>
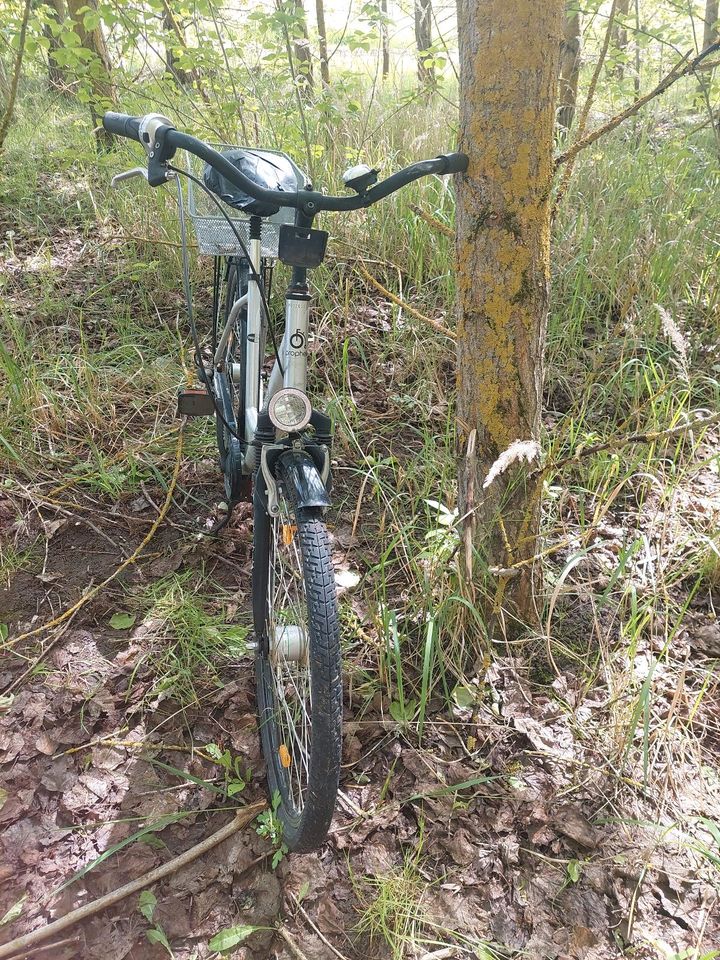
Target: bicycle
<point>272,443</point>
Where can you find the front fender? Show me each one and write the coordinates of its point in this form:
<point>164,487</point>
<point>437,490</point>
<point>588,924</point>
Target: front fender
<point>300,472</point>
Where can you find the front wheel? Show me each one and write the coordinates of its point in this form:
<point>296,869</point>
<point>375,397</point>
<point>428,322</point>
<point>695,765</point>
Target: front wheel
<point>299,686</point>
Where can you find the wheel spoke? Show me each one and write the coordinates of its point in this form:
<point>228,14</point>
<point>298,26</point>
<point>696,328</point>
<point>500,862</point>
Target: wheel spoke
<point>286,611</point>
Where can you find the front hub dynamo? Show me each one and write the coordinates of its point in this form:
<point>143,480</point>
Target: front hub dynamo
<point>289,642</point>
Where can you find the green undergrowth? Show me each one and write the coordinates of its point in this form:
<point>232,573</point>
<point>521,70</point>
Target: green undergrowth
<point>184,636</point>
<point>94,343</point>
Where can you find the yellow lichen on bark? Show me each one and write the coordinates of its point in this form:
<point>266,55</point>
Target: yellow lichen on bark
<point>509,52</point>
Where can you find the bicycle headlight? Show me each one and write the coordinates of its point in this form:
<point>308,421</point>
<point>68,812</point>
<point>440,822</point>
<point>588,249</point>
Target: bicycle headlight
<point>290,410</point>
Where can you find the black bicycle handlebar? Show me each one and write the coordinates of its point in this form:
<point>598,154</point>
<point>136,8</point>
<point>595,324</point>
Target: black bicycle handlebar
<point>122,125</point>
<point>309,201</point>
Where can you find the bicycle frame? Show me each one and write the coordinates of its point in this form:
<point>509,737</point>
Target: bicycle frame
<point>292,369</point>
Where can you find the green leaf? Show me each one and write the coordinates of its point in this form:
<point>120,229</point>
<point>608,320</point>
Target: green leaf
<point>397,712</point>
<point>464,696</point>
<point>227,939</point>
<point>4,631</point>
<point>574,869</point>
<point>14,912</point>
<point>234,787</point>
<point>122,621</point>
<point>147,901</point>
<point>157,935</point>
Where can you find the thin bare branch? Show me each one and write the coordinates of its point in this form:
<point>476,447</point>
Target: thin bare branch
<point>681,69</point>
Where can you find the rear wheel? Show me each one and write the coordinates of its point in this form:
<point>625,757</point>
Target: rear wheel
<point>299,687</point>
<point>233,359</point>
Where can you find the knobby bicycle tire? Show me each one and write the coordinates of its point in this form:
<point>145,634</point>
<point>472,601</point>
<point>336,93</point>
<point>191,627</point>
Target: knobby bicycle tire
<point>305,824</point>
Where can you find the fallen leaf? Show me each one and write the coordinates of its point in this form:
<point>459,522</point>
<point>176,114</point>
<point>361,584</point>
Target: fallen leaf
<point>14,912</point>
<point>122,621</point>
<point>571,823</point>
<point>231,937</point>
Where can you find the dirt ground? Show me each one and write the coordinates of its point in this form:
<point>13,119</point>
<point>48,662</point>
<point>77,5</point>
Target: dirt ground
<point>508,827</point>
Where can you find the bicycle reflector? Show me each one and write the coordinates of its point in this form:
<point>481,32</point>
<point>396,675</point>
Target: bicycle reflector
<point>290,410</point>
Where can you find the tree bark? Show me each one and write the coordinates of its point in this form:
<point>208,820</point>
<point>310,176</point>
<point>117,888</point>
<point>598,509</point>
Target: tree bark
<point>175,37</point>
<point>423,40</point>
<point>569,65</point>
<point>710,29</point>
<point>99,69</point>
<point>620,35</point>
<point>56,77</point>
<point>385,40</point>
<point>509,52</point>
<point>322,43</point>
<point>301,47</point>
<point>17,69</point>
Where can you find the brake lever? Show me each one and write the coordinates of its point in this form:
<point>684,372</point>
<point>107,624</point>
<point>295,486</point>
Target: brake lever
<point>128,175</point>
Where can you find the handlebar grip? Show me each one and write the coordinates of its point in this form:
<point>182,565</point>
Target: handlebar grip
<point>455,162</point>
<point>122,125</point>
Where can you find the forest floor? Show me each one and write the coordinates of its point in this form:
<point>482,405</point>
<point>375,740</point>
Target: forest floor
<point>513,826</point>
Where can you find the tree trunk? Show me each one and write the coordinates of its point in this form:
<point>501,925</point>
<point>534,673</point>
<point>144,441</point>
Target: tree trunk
<point>17,69</point>
<point>620,36</point>
<point>569,65</point>
<point>175,37</point>
<point>509,53</point>
<point>423,40</point>
<point>710,29</point>
<point>636,78</point>
<point>385,40</point>
<point>322,42</point>
<point>301,47</point>
<point>56,77</point>
<point>99,69</point>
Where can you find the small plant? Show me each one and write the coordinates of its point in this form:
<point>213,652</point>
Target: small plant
<point>402,709</point>
<point>270,827</point>
<point>394,908</point>
<point>235,780</point>
<point>147,901</point>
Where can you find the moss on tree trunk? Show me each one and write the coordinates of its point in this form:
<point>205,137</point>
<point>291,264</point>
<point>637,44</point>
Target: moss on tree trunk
<point>509,52</point>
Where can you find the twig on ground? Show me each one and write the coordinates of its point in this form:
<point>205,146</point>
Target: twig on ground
<point>56,621</point>
<point>46,946</point>
<point>435,324</point>
<point>290,941</point>
<point>40,657</point>
<point>340,956</point>
<point>139,744</point>
<point>242,819</point>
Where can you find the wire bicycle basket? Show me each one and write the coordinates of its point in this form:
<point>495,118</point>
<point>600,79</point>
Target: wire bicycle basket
<point>214,234</point>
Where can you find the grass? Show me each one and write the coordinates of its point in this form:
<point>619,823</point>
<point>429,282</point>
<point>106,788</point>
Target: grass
<point>91,355</point>
<point>184,637</point>
<point>396,908</point>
